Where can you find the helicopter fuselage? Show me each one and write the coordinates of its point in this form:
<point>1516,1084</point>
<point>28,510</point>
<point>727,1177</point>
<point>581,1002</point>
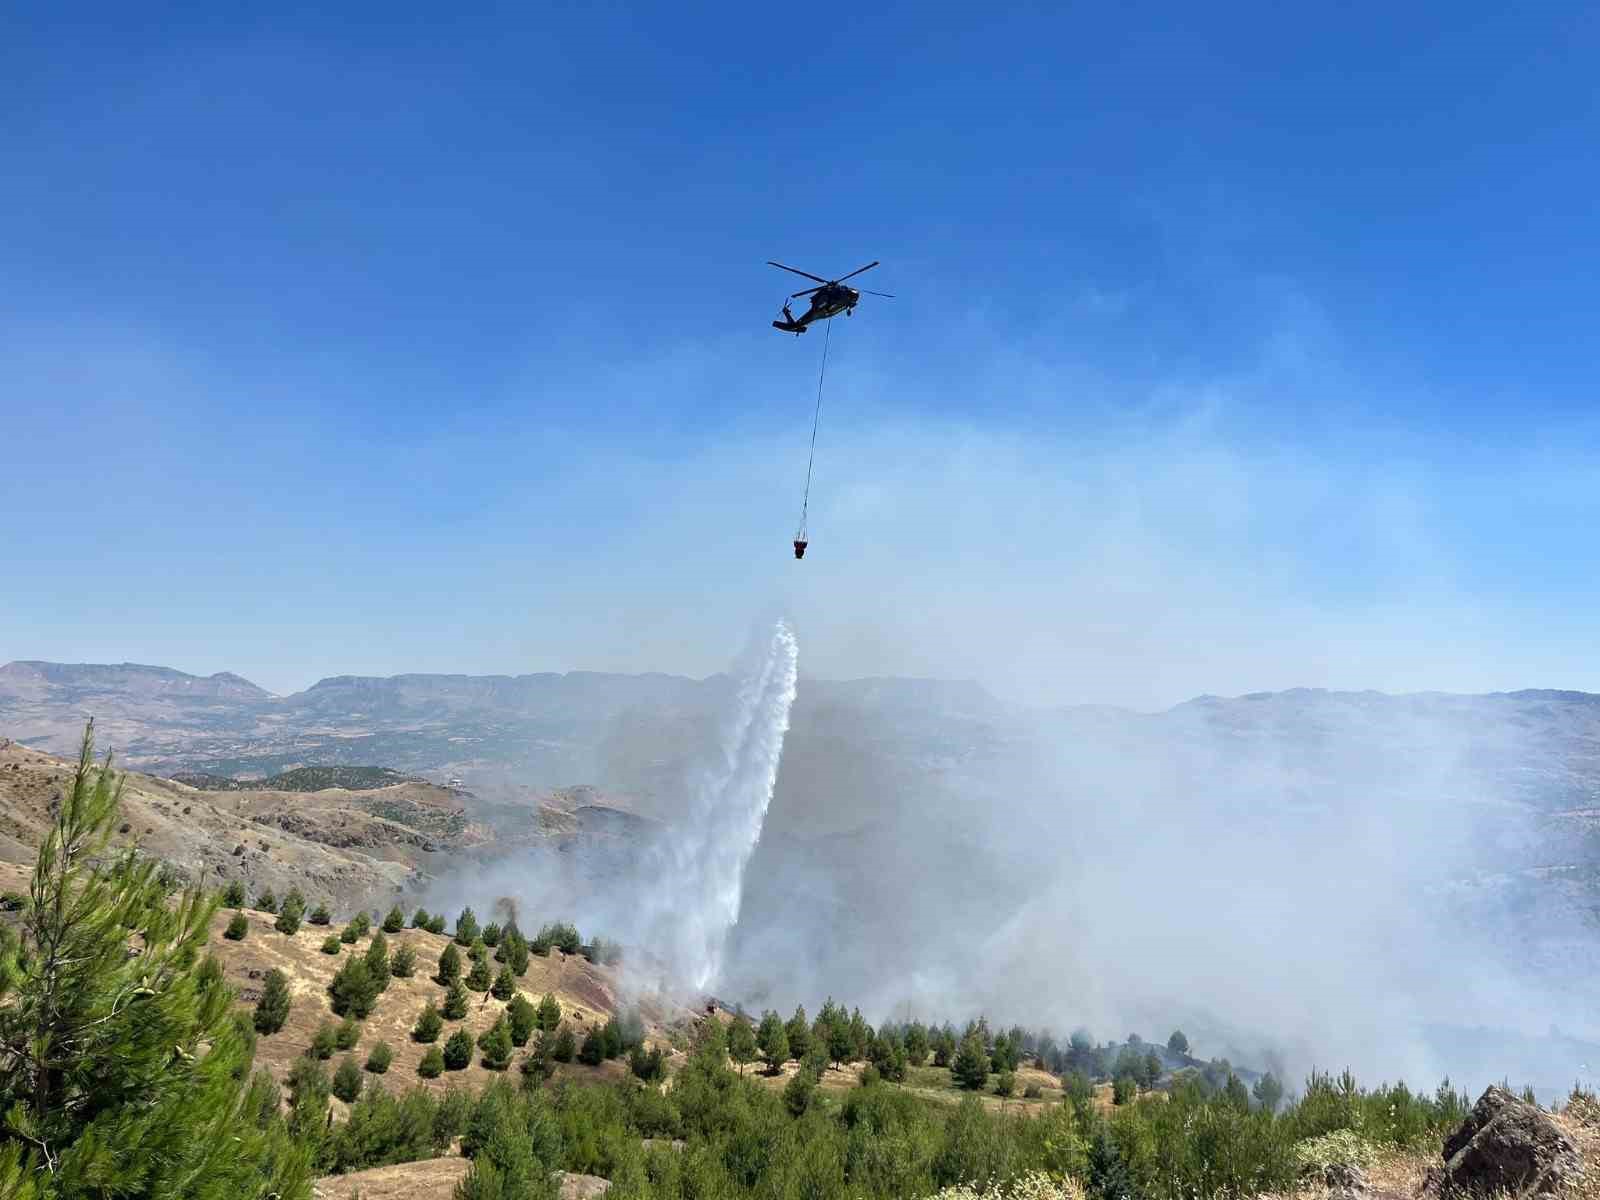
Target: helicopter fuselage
<point>826,302</point>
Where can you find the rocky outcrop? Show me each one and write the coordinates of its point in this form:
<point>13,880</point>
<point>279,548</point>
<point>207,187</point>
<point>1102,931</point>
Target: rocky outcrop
<point>1506,1147</point>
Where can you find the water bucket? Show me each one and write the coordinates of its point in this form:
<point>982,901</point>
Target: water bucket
<point>800,547</point>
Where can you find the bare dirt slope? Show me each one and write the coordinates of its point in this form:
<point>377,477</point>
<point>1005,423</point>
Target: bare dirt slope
<point>434,1179</point>
<point>346,848</point>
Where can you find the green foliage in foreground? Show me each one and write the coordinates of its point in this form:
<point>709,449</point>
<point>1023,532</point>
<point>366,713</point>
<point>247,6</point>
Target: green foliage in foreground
<point>742,1138</point>
<point>126,1074</point>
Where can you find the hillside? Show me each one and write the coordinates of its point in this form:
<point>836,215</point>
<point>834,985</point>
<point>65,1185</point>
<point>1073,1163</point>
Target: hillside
<point>345,848</point>
<point>589,995</point>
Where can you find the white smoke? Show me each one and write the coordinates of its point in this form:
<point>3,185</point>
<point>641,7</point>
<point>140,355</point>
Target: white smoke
<point>698,866</point>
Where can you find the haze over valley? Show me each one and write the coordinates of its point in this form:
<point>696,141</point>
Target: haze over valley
<point>1250,866</point>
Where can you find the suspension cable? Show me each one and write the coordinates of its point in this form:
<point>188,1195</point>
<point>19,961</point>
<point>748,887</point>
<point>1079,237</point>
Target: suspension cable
<point>816,419</point>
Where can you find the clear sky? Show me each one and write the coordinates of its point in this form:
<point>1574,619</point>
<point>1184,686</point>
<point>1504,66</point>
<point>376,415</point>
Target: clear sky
<point>1234,346</point>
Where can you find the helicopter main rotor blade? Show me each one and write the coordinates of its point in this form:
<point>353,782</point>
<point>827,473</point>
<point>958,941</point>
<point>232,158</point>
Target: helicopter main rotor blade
<point>885,295</point>
<point>807,292</point>
<point>807,274</point>
<point>856,272</point>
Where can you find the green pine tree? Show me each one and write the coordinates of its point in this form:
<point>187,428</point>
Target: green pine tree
<point>798,1031</point>
<point>524,1019</point>
<point>514,953</point>
<point>495,1045</point>
<point>478,979</point>
<point>449,966</point>
<point>292,913</point>
<point>324,1042</point>
<point>272,1009</point>
<point>741,1041</point>
<point>458,1051</point>
<point>379,1058</point>
<point>266,902</point>
<point>566,1045</point>
<point>491,934</point>
<point>419,919</point>
<point>353,989</point>
<point>347,1080</point>
<point>347,1035</point>
<point>331,944</point>
<point>233,895</point>
<point>435,924</point>
<point>466,927</point>
<point>395,921</point>
<point>970,1069</point>
<point>455,1002</point>
<point>377,958</point>
<point>403,965</point>
<point>549,1013</point>
<point>238,926</point>
<point>432,1064</point>
<point>123,1074</point>
<point>772,1039</point>
<point>505,985</point>
<point>320,915</point>
<point>593,1051</point>
<point>429,1025</point>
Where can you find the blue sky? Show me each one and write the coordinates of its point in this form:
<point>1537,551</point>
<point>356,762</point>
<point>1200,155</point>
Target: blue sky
<point>1233,348</point>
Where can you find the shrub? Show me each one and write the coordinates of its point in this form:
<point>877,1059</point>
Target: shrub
<point>593,1052</point>
<point>308,1080</point>
<point>331,944</point>
<point>395,921</point>
<point>566,1045</point>
<point>320,915</point>
<point>549,1013</point>
<point>347,1035</point>
<point>870,1075</point>
<point>347,1080</point>
<point>435,923</point>
<point>419,919</point>
<point>1123,1089</point>
<point>379,1058</point>
<point>449,966</point>
<point>523,1019</point>
<point>238,926</point>
<point>428,1027</point>
<point>292,913</point>
<point>348,935</point>
<point>1005,1083</point>
<point>432,1064</point>
<point>797,1093</point>
<point>266,902</point>
<point>505,985</point>
<point>353,989</point>
<point>458,1051</point>
<point>496,1046</point>
<point>971,1066</point>
<point>272,1009</point>
<point>1032,1092</point>
<point>324,1042</point>
<point>1314,1155</point>
<point>377,959</point>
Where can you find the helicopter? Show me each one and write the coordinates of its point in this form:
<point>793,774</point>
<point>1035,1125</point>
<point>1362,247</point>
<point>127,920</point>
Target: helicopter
<point>828,300</point>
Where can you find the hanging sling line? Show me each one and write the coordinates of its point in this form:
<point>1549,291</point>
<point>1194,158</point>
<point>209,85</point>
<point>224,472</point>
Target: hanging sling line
<point>816,419</point>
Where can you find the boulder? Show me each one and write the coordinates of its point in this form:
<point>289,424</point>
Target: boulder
<point>1509,1147</point>
<point>1345,1181</point>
